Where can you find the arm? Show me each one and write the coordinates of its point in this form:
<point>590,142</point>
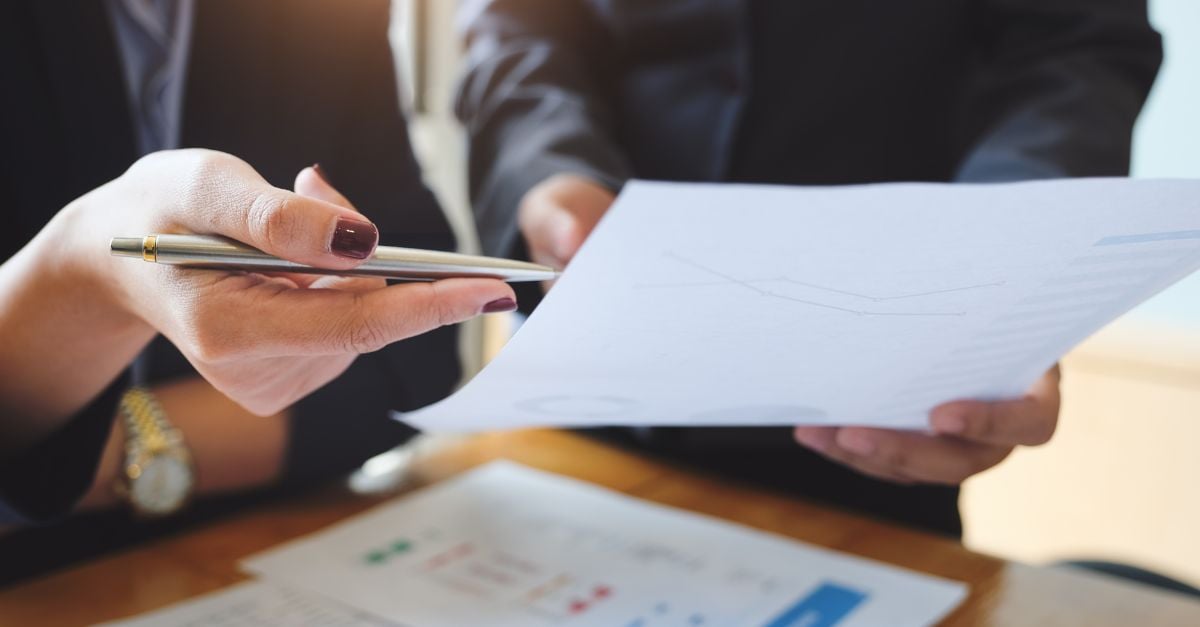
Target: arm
<point>535,102</point>
<point>1061,84</point>
<point>232,449</point>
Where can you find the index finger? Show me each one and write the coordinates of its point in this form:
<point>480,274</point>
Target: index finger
<point>277,321</point>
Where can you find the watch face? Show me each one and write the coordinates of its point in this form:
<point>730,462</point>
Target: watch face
<point>163,485</point>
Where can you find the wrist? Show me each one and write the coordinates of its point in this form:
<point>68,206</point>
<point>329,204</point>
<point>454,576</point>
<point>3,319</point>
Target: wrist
<point>76,244</point>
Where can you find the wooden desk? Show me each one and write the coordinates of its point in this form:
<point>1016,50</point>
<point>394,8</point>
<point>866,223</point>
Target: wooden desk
<point>204,560</point>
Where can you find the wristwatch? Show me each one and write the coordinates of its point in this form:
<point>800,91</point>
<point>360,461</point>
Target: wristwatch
<point>158,475</point>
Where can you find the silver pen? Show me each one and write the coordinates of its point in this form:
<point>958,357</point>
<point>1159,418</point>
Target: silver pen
<point>412,264</point>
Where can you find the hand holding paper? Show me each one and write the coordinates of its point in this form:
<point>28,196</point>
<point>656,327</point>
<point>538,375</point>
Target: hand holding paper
<point>967,438</point>
<point>866,306</point>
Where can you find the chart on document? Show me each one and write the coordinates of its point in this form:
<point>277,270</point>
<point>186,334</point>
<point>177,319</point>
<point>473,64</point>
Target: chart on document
<point>506,545</point>
<point>699,304</point>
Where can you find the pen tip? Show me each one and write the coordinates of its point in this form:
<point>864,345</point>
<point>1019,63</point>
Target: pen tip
<point>126,247</point>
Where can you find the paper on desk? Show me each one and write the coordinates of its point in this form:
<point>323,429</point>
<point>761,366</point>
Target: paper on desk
<point>509,546</point>
<point>700,304</point>
<point>254,604</point>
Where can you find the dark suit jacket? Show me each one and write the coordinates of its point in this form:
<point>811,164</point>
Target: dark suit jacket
<point>279,83</point>
<point>797,92</point>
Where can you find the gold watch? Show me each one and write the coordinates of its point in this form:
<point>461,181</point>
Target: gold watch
<point>158,476</point>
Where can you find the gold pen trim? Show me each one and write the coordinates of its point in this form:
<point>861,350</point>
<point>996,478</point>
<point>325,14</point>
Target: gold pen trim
<point>150,248</point>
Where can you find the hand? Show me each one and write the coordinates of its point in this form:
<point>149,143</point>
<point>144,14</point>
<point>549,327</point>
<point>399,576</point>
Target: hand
<point>558,214</point>
<point>264,341</point>
<point>967,438</point>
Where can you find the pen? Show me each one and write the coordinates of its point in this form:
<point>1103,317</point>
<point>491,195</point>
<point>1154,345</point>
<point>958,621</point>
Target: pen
<point>410,264</point>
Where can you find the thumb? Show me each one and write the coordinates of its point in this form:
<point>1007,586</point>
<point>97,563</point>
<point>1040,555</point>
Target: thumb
<point>301,229</point>
<point>566,235</point>
<point>552,231</point>
<point>223,195</point>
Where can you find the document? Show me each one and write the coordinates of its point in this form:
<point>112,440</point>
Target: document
<point>254,604</point>
<point>505,545</point>
<point>703,304</point>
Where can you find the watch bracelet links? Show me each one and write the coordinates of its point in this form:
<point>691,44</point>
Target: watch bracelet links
<point>146,421</point>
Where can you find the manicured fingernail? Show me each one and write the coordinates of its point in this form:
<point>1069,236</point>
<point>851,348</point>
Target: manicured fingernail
<point>857,442</point>
<point>355,239</point>
<point>501,305</point>
<point>949,422</point>
<point>320,172</point>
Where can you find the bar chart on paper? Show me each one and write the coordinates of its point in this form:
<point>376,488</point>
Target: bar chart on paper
<point>506,545</point>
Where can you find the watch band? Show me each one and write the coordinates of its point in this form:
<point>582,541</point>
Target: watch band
<point>150,437</point>
<point>146,421</point>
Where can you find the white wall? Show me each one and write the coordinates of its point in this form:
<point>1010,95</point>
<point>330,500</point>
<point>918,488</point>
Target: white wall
<point>1167,142</point>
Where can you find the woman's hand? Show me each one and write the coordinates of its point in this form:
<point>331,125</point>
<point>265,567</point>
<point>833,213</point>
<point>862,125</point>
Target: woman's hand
<point>968,437</point>
<point>265,341</point>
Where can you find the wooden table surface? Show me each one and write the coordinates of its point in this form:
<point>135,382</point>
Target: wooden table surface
<point>204,560</point>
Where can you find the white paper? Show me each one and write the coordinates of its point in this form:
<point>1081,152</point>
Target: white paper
<point>701,304</point>
<point>254,604</point>
<point>509,546</point>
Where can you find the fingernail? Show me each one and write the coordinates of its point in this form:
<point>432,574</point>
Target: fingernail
<point>320,172</point>
<point>355,239</point>
<point>856,442</point>
<point>949,422</point>
<point>501,305</point>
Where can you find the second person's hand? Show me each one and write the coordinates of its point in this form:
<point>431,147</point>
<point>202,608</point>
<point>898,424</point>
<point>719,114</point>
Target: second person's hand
<point>558,214</point>
<point>965,438</point>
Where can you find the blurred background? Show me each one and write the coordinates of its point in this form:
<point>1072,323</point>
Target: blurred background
<point>1119,481</point>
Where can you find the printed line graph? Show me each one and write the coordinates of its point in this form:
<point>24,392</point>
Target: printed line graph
<point>759,286</point>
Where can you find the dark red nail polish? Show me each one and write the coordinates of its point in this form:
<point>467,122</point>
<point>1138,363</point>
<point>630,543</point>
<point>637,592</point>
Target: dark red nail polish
<point>501,305</point>
<point>320,172</point>
<point>355,239</point>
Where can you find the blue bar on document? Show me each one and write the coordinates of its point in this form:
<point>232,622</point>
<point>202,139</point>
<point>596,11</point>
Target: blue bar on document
<point>824,607</point>
<point>1148,238</point>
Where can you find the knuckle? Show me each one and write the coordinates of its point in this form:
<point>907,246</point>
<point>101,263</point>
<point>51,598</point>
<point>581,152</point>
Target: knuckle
<point>895,457</point>
<point>204,180</point>
<point>362,333</point>
<point>442,313</point>
<point>269,221</point>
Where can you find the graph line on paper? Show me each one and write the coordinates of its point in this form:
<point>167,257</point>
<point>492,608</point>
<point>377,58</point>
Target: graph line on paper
<point>755,285</point>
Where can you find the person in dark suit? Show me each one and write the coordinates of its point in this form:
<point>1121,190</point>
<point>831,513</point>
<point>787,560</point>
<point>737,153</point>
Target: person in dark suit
<point>564,100</point>
<point>104,109</point>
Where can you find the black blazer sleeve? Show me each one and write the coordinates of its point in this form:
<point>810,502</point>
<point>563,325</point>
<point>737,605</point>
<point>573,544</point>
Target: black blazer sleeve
<point>44,482</point>
<point>535,99</point>
<point>1063,82</point>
